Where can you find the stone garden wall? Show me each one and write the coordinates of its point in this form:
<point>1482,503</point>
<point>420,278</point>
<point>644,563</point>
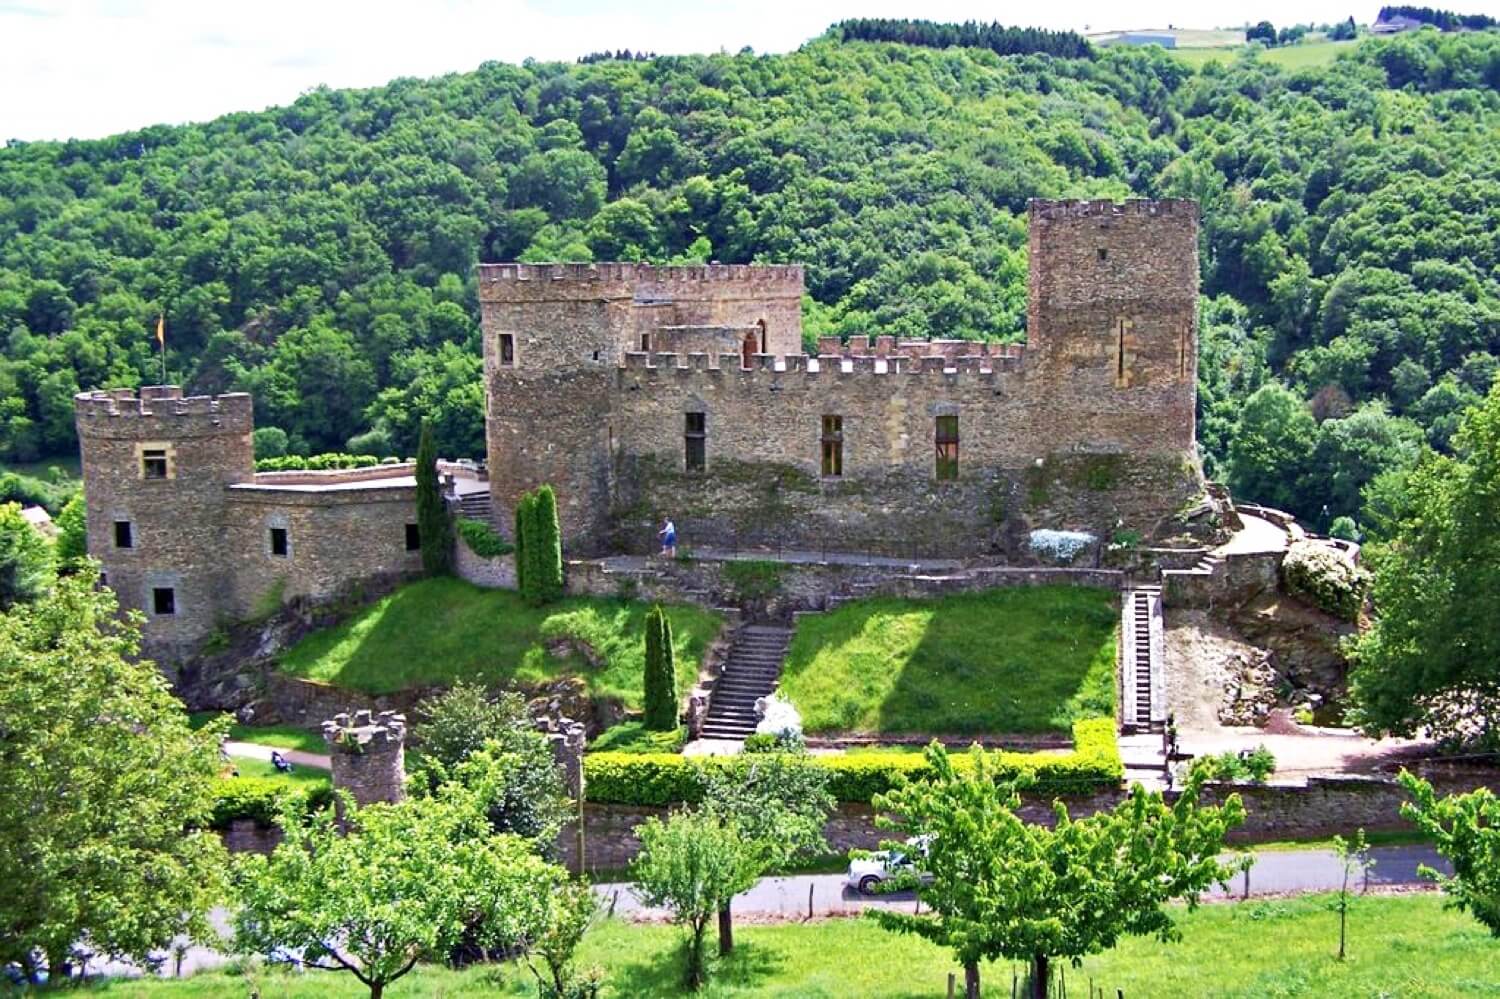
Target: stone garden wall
<point>498,573</point>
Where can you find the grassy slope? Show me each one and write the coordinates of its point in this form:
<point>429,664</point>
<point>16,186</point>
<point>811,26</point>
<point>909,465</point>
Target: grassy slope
<point>440,630</point>
<point>1027,659</point>
<point>1398,945</point>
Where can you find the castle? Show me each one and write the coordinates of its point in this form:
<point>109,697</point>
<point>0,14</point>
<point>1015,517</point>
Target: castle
<point>640,391</point>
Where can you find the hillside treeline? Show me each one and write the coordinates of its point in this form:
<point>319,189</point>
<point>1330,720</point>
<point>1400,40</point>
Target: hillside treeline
<point>1444,20</point>
<point>321,255</point>
<point>996,37</point>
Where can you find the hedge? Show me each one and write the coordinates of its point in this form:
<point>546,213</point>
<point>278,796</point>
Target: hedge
<point>667,778</point>
<point>259,798</point>
<point>316,462</point>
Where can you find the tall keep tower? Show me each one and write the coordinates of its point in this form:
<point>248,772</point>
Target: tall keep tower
<point>155,468</point>
<point>555,337</point>
<point>1112,319</point>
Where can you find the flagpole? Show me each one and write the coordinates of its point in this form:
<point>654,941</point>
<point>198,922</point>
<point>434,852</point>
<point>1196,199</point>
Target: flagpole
<point>161,338</point>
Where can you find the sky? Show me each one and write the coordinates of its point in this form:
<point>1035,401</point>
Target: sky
<point>80,69</point>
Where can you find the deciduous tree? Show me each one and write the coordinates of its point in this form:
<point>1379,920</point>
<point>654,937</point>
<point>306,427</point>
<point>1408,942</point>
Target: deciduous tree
<point>1465,829</point>
<point>1003,887</point>
<point>105,790</point>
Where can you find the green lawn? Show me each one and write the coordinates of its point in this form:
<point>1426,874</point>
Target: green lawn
<point>1406,946</point>
<point>1024,659</point>
<point>280,736</point>
<point>250,767</point>
<point>1288,57</point>
<point>441,630</point>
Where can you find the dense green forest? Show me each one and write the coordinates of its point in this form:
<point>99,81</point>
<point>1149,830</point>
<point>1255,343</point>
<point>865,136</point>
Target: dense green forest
<point>321,255</point>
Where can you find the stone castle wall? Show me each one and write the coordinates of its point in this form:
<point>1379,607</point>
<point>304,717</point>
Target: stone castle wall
<point>203,530</point>
<point>1088,426</point>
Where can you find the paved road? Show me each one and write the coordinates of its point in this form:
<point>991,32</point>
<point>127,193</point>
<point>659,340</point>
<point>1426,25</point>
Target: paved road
<point>1274,872</point>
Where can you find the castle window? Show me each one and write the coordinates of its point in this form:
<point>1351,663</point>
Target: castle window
<point>163,600</point>
<point>124,534</point>
<point>508,350</point>
<point>1103,253</point>
<point>103,578</point>
<point>154,463</point>
<point>413,538</point>
<point>278,541</point>
<point>646,343</point>
<point>947,448</point>
<point>695,441</point>
<point>833,445</point>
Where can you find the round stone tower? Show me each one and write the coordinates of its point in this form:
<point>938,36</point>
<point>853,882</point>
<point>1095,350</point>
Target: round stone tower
<point>368,755</point>
<point>155,470</point>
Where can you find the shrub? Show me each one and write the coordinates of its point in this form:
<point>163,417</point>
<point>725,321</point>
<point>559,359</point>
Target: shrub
<point>269,442</point>
<point>1344,528</point>
<point>482,539</point>
<point>259,798</point>
<point>1326,578</point>
<point>1059,547</point>
<point>667,779</point>
<point>1254,766</point>
<point>330,461</point>
<point>72,533</point>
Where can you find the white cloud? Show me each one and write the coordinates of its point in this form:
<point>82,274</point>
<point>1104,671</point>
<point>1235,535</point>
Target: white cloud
<point>86,69</point>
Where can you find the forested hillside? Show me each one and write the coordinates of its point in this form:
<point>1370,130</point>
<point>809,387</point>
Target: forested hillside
<point>321,255</point>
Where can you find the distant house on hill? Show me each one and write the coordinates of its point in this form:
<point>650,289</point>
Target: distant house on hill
<point>40,520</point>
<point>1395,25</point>
<point>1165,39</point>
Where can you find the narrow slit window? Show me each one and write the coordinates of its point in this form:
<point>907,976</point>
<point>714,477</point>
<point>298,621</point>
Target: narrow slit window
<point>154,463</point>
<point>413,538</point>
<point>278,541</point>
<point>163,600</point>
<point>124,534</point>
<point>695,441</point>
<point>1103,253</point>
<point>508,350</point>
<point>646,343</point>
<point>947,448</point>
<point>833,445</point>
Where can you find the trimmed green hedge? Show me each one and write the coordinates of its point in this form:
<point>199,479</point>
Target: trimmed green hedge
<point>259,798</point>
<point>667,779</point>
<point>316,462</point>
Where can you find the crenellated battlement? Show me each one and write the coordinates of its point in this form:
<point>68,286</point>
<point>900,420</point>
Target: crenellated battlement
<point>664,364</point>
<point>544,282</point>
<point>162,409</point>
<point>1045,210</point>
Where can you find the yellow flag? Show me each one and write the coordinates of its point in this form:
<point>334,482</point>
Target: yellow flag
<point>161,329</point>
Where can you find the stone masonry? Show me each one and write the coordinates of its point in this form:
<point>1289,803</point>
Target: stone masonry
<point>368,754</point>
<point>191,535</point>
<point>599,375</point>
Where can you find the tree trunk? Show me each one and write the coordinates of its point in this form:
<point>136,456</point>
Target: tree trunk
<point>377,989</point>
<point>695,957</point>
<point>971,980</point>
<point>1039,972</point>
<point>726,931</point>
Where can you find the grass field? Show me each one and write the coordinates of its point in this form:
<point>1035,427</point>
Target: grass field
<point>1289,57</point>
<point>280,736</point>
<point>249,767</point>
<point>1025,659</point>
<point>440,630</point>
<point>1406,946</point>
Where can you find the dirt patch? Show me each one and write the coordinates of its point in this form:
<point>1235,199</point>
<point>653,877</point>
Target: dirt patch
<point>1207,663</point>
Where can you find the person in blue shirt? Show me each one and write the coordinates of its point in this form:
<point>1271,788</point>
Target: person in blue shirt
<point>668,535</point>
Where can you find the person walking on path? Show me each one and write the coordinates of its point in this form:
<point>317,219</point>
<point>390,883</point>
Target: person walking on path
<point>668,535</point>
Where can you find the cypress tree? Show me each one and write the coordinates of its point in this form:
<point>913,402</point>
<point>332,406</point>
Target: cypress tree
<point>433,527</point>
<point>522,516</point>
<point>547,543</point>
<point>661,694</point>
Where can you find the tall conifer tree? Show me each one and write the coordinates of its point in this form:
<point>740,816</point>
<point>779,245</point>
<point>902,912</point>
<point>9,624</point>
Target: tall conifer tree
<point>432,515</point>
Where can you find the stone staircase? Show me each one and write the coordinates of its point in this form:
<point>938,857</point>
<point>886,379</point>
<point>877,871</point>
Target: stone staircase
<point>750,672</point>
<point>1142,650</point>
<point>476,506</point>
